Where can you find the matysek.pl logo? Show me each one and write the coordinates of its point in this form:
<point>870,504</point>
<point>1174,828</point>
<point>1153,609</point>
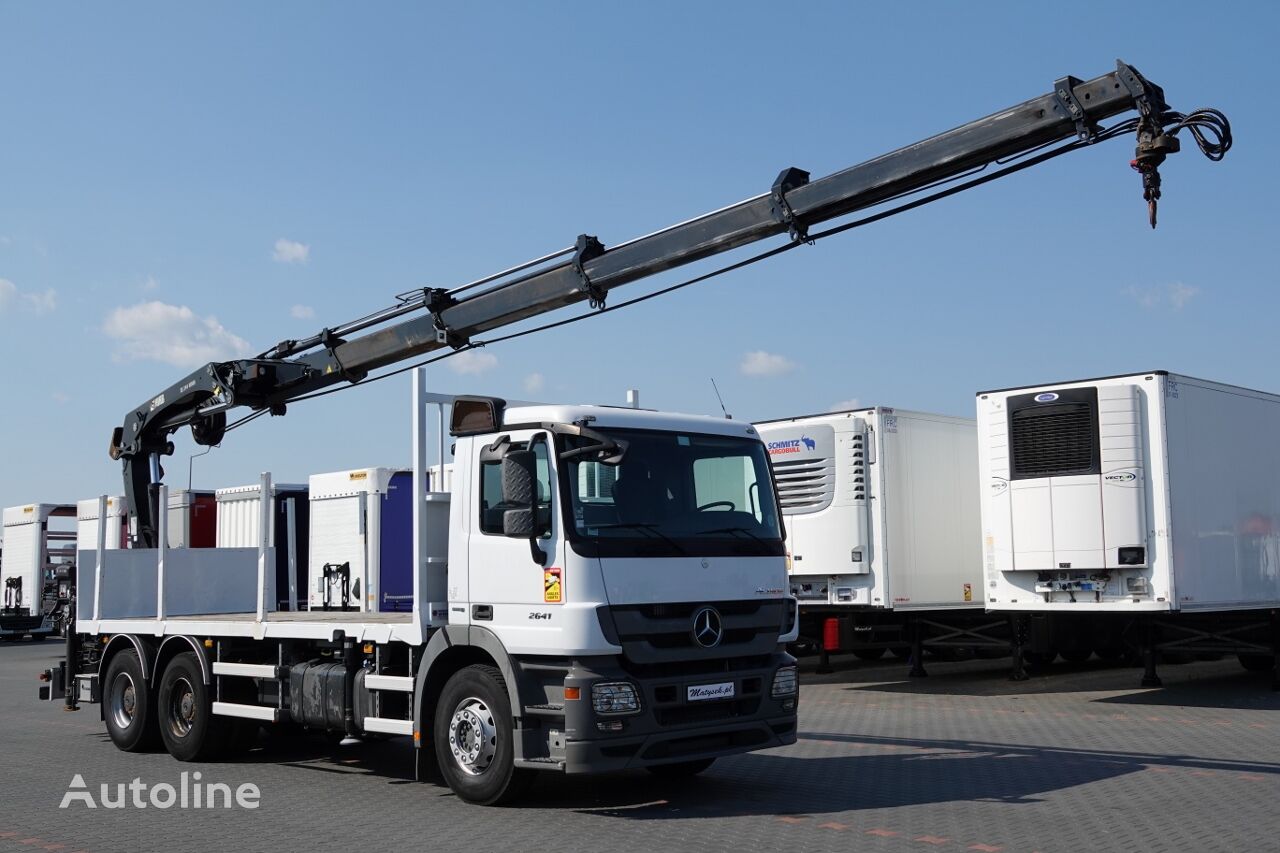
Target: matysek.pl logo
<point>793,445</point>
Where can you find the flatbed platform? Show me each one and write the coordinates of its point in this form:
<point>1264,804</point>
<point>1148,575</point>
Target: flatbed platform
<point>309,616</point>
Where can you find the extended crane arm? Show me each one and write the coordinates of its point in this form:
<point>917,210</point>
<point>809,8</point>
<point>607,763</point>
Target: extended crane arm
<point>587,272</point>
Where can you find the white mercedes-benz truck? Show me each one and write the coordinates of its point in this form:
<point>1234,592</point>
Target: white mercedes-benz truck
<point>1138,511</point>
<point>881,510</point>
<point>607,590</point>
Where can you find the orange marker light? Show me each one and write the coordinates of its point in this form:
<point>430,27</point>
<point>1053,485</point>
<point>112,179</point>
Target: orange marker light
<point>572,693</point>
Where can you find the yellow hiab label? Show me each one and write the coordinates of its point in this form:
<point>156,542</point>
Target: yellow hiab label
<point>358,475</point>
<point>552,586</point>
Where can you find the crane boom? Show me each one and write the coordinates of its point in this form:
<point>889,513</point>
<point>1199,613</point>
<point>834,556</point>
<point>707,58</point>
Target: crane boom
<point>431,319</point>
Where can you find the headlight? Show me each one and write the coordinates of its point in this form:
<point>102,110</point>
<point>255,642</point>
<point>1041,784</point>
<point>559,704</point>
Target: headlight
<point>615,697</point>
<point>784,681</point>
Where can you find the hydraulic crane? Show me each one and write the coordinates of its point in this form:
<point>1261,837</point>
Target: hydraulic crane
<point>430,319</point>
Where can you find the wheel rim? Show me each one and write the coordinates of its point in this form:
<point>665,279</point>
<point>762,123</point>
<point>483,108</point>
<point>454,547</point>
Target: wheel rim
<point>123,701</point>
<point>473,736</point>
<point>181,712</point>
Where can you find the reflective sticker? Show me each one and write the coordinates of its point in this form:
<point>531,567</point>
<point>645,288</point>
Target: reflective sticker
<point>552,587</point>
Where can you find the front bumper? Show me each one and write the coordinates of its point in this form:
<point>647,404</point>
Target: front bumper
<point>670,728</point>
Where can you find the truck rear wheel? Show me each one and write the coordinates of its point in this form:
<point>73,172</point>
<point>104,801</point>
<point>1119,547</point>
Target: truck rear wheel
<point>475,739</point>
<point>128,706</point>
<point>185,712</point>
<point>869,654</point>
<point>1257,663</point>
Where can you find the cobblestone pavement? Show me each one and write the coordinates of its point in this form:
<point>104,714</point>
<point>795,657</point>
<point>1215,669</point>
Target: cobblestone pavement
<point>1078,758</point>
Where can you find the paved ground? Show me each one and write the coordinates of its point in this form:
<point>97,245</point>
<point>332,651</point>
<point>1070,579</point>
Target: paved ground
<point>1080,759</point>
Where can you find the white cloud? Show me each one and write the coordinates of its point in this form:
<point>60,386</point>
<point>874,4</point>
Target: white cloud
<point>173,334</point>
<point>42,303</point>
<point>844,405</point>
<point>761,363</point>
<point>291,252</point>
<point>302,312</point>
<point>1175,295</point>
<point>472,362</point>
<point>61,397</point>
<point>534,383</point>
<point>149,283</point>
<point>38,302</point>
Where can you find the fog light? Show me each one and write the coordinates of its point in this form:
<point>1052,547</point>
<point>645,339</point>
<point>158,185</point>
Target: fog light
<point>784,681</point>
<point>789,705</point>
<point>615,697</point>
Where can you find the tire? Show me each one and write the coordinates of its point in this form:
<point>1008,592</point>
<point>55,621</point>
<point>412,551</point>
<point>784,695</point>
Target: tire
<point>681,769</point>
<point>901,652</point>
<point>1039,658</point>
<point>1076,655</point>
<point>860,654</point>
<point>128,705</point>
<point>184,712</point>
<point>1110,654</point>
<point>1257,663</point>
<point>475,740</point>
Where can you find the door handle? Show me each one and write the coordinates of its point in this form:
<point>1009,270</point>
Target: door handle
<point>482,612</point>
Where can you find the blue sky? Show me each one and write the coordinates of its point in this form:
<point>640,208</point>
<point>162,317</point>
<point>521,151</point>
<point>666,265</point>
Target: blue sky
<point>183,182</point>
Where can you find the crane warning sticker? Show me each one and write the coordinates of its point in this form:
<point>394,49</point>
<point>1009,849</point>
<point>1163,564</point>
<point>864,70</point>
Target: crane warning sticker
<point>552,586</point>
<point>968,592</point>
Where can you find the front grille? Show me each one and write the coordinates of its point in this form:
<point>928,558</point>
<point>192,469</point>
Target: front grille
<point>1054,439</point>
<point>663,633</point>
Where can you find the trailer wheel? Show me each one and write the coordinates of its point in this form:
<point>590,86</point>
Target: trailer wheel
<point>185,712</point>
<point>860,654</point>
<point>1257,663</point>
<point>128,705</point>
<point>681,769</point>
<point>475,739</point>
<point>1076,655</point>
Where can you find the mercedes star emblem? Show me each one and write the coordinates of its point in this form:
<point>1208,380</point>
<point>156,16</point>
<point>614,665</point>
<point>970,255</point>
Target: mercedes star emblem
<point>708,631</point>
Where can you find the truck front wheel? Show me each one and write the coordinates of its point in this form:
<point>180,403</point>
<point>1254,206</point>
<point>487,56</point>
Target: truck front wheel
<point>474,738</point>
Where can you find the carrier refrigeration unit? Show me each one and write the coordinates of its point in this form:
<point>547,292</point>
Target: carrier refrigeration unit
<point>39,554</point>
<point>1143,508</point>
<point>239,514</point>
<point>881,511</point>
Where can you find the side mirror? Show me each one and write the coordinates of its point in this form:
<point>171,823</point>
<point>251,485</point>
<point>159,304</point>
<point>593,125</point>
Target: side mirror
<point>519,497</point>
<point>519,489</point>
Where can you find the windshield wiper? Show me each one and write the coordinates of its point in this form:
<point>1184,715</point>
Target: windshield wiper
<point>646,527</point>
<point>738,529</point>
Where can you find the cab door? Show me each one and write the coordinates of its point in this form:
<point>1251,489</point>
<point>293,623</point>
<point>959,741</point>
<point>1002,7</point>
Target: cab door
<point>512,594</point>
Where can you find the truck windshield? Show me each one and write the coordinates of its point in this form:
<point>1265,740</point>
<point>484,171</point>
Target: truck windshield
<point>673,494</point>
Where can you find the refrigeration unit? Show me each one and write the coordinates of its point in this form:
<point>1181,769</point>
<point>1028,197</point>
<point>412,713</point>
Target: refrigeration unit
<point>238,521</point>
<point>1151,499</point>
<point>881,512</point>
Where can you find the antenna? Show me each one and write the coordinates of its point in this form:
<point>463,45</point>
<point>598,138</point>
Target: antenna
<point>727,416</point>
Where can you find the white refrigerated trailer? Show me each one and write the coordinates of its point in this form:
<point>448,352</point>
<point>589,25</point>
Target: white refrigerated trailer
<point>881,512</point>
<point>1146,506</point>
<point>551,627</point>
<point>39,554</point>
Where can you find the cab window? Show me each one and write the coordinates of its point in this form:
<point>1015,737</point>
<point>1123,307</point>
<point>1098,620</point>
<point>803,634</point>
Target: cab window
<point>491,505</point>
